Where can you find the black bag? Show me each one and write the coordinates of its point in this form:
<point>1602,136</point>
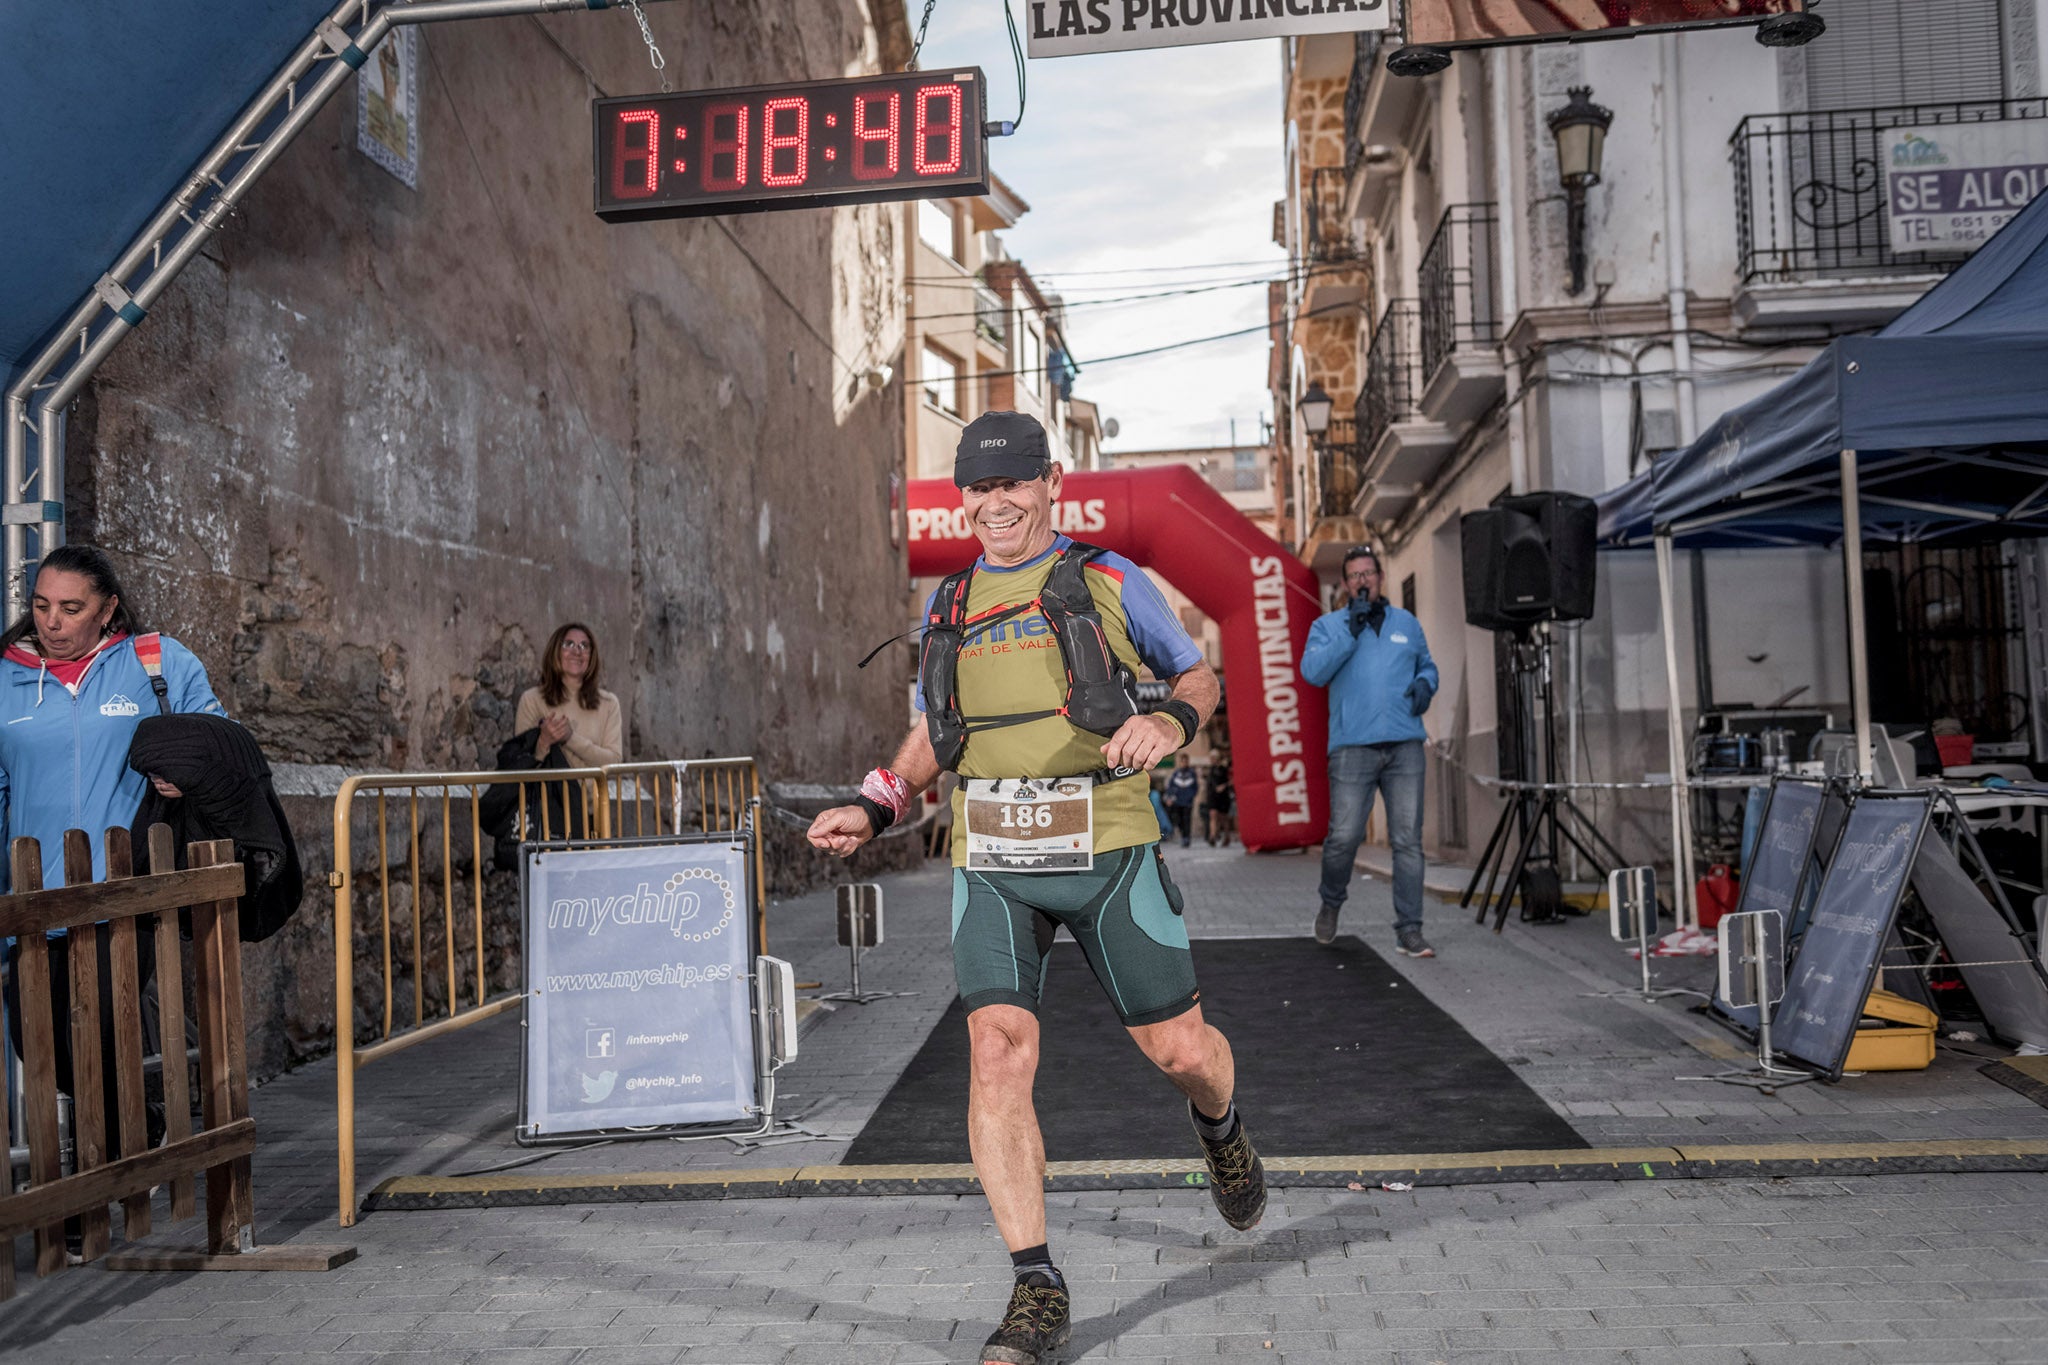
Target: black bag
<point>227,795</point>
<point>556,807</point>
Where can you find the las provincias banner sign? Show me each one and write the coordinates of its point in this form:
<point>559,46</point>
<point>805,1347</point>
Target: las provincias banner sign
<point>1070,28</point>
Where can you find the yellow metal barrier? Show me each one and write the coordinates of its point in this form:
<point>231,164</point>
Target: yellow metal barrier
<point>439,820</point>
<point>706,796</point>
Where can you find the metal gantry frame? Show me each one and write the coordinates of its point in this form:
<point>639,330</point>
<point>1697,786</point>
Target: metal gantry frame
<point>121,299</point>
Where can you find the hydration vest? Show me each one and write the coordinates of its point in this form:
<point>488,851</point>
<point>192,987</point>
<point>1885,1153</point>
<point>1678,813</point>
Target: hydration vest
<point>1101,688</point>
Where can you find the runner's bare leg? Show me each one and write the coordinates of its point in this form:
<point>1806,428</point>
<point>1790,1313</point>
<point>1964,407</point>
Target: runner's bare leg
<point>1194,1056</point>
<point>1002,1124</point>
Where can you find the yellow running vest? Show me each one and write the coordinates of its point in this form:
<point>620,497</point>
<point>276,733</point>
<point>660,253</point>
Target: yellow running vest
<point>1016,667</point>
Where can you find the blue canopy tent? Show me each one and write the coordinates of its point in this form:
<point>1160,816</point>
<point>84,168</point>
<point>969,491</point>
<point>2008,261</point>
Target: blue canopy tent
<point>1936,428</point>
<point>131,129</point>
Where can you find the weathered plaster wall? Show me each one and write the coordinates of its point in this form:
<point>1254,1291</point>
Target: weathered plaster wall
<point>377,442</point>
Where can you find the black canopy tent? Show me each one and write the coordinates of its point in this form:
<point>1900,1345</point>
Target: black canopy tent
<point>1933,430</point>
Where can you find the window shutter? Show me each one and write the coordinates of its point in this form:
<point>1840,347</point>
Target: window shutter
<point>1879,53</point>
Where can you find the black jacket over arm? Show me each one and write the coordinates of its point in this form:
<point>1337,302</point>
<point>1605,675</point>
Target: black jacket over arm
<point>227,795</point>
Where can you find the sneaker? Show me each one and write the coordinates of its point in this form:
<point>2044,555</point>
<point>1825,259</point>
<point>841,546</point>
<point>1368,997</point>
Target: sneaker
<point>1410,943</point>
<point>1036,1326</point>
<point>1237,1178</point>
<point>1326,924</point>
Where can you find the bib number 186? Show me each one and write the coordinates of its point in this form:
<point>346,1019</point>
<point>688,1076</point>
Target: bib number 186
<point>1027,817</point>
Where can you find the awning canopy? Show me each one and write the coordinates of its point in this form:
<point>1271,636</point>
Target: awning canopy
<point>105,108</point>
<point>1946,409</point>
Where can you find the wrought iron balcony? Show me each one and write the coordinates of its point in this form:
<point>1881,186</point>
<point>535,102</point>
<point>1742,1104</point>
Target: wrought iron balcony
<point>1393,380</point>
<point>1456,283</point>
<point>1329,236</point>
<point>1365,60</point>
<point>1340,468</point>
<point>1810,188</point>
<point>991,316</point>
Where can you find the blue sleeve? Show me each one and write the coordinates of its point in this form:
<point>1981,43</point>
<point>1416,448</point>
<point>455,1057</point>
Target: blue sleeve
<point>186,677</point>
<point>1160,639</point>
<point>1425,667</point>
<point>1329,644</point>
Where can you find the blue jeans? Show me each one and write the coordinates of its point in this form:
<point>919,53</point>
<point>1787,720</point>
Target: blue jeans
<point>1395,770</point>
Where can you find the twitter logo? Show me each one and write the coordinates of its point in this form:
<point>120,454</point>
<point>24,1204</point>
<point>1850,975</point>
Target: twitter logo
<point>597,1089</point>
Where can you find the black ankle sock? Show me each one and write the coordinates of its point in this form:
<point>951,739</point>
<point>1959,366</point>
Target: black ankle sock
<point>1031,1256</point>
<point>1217,1129</point>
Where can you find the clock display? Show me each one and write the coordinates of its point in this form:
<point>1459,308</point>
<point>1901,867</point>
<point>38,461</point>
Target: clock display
<point>904,135</point>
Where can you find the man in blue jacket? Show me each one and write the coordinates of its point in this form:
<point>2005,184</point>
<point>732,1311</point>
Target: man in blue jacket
<point>1375,663</point>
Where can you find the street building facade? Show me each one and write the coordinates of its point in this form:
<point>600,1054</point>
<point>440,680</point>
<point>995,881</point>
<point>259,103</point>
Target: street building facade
<point>1483,326</point>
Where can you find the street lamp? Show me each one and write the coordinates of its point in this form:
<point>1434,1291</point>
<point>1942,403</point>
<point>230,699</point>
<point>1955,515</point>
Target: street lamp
<point>1581,132</point>
<point>1314,407</point>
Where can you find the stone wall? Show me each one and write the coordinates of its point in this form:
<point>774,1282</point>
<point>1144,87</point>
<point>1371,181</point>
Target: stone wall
<point>378,441</point>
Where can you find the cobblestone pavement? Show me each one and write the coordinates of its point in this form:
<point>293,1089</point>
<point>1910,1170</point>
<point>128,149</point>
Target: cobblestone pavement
<point>1884,1268</point>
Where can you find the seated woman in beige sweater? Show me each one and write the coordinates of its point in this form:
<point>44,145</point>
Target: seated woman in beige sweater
<point>569,708</point>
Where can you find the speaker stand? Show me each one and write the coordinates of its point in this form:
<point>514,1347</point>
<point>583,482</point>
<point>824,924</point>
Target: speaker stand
<point>1539,818</point>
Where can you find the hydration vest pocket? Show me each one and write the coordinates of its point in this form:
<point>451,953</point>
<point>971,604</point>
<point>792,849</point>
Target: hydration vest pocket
<point>1099,691</point>
<point>1174,899</point>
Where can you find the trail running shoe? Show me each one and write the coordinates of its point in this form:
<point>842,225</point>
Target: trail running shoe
<point>1237,1178</point>
<point>1410,943</point>
<point>1036,1326</point>
<point>1326,924</point>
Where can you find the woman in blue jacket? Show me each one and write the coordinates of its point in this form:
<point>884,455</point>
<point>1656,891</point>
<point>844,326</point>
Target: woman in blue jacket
<point>72,690</point>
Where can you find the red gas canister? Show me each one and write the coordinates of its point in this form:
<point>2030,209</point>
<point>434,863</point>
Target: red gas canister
<point>1715,894</point>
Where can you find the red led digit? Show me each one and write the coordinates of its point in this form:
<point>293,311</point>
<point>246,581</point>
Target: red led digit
<point>877,143</point>
<point>926,130</point>
<point>644,159</point>
<point>796,142</point>
<point>725,148</point>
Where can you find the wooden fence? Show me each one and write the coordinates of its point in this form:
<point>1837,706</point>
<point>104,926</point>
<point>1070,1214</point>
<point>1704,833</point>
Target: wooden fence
<point>116,1161</point>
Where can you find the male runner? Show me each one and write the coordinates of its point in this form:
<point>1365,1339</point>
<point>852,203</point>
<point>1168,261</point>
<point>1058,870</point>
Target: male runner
<point>1032,852</point>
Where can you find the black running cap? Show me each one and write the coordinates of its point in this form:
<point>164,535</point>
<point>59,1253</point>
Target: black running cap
<point>1001,445</point>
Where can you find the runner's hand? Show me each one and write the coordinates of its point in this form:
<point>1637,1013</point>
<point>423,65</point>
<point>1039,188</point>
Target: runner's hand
<point>1141,742</point>
<point>841,830</point>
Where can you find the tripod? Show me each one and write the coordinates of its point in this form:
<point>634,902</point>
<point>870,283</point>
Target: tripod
<point>1540,816</point>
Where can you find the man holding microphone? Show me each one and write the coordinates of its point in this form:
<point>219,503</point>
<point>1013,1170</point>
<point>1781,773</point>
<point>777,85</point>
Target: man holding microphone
<point>1371,656</point>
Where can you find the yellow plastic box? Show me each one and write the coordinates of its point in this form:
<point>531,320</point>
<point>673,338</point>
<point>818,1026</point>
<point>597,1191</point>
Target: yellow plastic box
<point>1894,1034</point>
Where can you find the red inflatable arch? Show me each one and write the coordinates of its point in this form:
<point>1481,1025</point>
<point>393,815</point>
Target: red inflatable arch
<point>1262,597</point>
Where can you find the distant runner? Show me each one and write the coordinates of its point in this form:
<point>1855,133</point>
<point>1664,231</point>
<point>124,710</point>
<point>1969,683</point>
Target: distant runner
<point>1026,680</point>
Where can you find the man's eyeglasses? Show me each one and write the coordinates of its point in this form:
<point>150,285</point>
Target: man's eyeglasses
<point>1356,555</point>
<point>578,646</point>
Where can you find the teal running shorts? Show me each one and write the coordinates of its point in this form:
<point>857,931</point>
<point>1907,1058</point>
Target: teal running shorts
<point>1124,912</point>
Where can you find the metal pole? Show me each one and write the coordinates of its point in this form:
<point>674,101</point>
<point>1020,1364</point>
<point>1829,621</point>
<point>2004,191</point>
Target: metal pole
<point>1500,70</point>
<point>1852,585</point>
<point>1681,841</point>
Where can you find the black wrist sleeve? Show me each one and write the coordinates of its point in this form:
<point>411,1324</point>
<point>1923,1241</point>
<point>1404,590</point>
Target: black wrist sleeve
<point>1184,716</point>
<point>879,815</point>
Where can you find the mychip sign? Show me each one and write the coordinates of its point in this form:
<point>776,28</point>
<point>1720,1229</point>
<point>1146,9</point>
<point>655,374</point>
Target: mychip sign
<point>638,1008</point>
<point>1069,28</point>
<point>1950,186</point>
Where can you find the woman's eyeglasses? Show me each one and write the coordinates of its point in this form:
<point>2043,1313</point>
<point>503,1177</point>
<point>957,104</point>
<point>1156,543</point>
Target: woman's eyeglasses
<point>577,646</point>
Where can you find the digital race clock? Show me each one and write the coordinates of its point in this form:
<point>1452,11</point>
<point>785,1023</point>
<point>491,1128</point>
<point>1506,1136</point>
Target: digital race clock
<point>905,135</point>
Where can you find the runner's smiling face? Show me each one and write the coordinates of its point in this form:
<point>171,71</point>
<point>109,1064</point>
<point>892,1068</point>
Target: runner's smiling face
<point>1012,517</point>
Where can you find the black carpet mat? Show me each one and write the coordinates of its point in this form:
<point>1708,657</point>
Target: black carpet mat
<point>1337,1055</point>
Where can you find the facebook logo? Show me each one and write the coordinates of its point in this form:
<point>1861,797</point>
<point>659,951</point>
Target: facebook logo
<point>598,1042</point>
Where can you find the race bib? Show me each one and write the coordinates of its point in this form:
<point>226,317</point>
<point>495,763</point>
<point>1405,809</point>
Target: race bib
<point>1030,824</point>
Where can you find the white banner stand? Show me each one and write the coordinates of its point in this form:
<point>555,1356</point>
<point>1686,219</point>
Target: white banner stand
<point>1753,973</point>
<point>1632,918</point>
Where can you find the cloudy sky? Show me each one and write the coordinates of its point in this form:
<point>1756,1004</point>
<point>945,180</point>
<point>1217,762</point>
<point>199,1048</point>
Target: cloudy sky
<point>1146,172</point>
